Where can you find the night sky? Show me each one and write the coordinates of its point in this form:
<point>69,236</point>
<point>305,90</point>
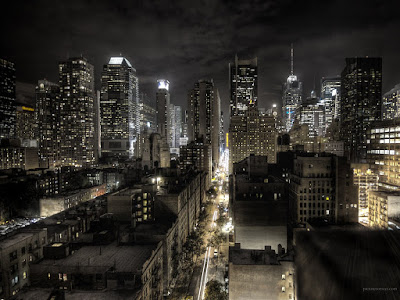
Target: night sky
<point>184,41</point>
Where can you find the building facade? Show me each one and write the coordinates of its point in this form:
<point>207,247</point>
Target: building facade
<point>162,109</point>
<point>7,98</point>
<point>48,123</point>
<point>252,133</point>
<point>204,113</point>
<point>382,206</point>
<point>391,104</point>
<point>330,99</point>
<point>361,101</point>
<point>77,112</point>
<point>119,106</point>
<point>243,85</point>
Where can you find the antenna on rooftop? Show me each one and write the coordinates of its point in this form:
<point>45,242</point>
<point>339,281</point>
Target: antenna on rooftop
<point>291,59</point>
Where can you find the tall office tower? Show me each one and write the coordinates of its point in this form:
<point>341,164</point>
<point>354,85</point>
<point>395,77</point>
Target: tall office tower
<point>147,122</point>
<point>312,113</point>
<point>97,126</point>
<point>221,133</point>
<point>175,125</point>
<point>7,99</point>
<point>361,102</point>
<point>391,104</point>
<point>48,123</point>
<point>178,125</point>
<point>119,108</point>
<point>76,112</point>
<point>204,105</point>
<point>183,141</point>
<point>253,133</point>
<point>162,109</point>
<point>291,97</point>
<point>243,84</point>
<point>330,98</point>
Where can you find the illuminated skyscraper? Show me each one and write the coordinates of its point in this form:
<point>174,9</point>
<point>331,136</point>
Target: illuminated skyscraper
<point>361,102</point>
<point>48,122</point>
<point>162,109</point>
<point>391,104</point>
<point>7,99</point>
<point>243,80</point>
<point>291,97</point>
<point>119,106</point>
<point>330,99</point>
<point>77,112</point>
<point>204,111</point>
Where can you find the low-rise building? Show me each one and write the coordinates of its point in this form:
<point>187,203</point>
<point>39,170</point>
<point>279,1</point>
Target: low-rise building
<point>17,252</point>
<point>260,274</point>
<point>383,205</point>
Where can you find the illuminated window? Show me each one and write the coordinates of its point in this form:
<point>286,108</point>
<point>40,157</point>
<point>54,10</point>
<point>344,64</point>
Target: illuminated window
<point>24,275</point>
<point>283,276</point>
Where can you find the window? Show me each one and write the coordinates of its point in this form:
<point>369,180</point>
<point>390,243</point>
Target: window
<point>65,277</point>
<point>24,275</point>
<point>13,255</point>
<point>48,275</point>
<point>283,289</point>
<point>283,276</point>
<point>23,250</point>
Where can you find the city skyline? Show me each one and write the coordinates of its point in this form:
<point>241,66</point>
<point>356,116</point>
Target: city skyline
<point>207,43</point>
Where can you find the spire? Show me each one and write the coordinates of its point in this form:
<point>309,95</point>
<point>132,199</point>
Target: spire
<point>291,59</point>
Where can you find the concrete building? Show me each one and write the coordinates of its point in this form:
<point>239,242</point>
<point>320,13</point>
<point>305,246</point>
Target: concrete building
<point>333,147</point>
<point>52,205</point>
<point>243,85</point>
<point>204,112</point>
<point>77,112</point>
<point>7,99</point>
<point>383,206</point>
<point>25,127</point>
<point>312,113</point>
<point>119,107</point>
<point>137,269</point>
<point>361,103</point>
<point>155,152</point>
<point>17,253</point>
<point>366,180</point>
<point>134,205</point>
<point>260,274</point>
<point>259,205</point>
<point>252,133</point>
<point>330,99</point>
<point>322,187</point>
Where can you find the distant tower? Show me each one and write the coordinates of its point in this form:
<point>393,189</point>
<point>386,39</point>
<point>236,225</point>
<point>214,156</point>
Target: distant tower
<point>119,106</point>
<point>361,103</point>
<point>77,112</point>
<point>204,105</point>
<point>292,96</point>
<point>243,84</point>
<point>7,99</point>
<point>48,123</point>
<point>163,104</point>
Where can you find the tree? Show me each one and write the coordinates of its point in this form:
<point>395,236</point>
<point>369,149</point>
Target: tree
<point>214,291</point>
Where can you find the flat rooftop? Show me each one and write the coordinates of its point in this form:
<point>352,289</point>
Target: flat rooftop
<point>124,258</point>
<point>14,239</point>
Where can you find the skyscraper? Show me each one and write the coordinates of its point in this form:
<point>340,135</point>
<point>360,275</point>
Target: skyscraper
<point>48,123</point>
<point>391,104</point>
<point>361,87</point>
<point>330,98</point>
<point>118,105</point>
<point>7,99</point>
<point>162,109</point>
<point>204,111</point>
<point>291,97</point>
<point>77,112</point>
<point>243,84</point>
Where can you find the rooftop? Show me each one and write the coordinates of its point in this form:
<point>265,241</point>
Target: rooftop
<point>124,258</point>
<point>14,239</point>
<point>119,61</point>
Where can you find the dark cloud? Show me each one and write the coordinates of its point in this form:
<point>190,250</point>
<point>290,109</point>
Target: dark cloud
<point>184,41</point>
